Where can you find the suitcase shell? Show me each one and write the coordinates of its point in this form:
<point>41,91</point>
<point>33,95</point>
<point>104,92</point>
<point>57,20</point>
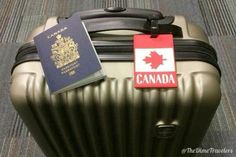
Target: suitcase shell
<point>110,118</point>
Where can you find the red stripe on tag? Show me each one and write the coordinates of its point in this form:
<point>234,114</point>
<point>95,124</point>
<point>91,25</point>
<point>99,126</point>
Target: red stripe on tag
<point>161,41</point>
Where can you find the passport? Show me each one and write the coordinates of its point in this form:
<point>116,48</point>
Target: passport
<point>68,58</point>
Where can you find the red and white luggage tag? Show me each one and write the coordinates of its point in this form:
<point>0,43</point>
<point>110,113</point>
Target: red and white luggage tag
<point>154,61</point>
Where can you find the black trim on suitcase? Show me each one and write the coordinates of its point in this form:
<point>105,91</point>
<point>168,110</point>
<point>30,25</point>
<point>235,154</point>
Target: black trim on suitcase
<point>185,50</point>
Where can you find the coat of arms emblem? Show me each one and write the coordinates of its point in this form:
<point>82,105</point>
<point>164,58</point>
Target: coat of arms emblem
<point>64,51</point>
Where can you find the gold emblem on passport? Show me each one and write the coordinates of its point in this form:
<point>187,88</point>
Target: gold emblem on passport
<point>64,51</point>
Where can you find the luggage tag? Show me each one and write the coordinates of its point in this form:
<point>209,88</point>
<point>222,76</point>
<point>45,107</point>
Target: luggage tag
<point>154,61</point>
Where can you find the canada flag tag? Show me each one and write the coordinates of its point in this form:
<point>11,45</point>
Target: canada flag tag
<point>154,61</point>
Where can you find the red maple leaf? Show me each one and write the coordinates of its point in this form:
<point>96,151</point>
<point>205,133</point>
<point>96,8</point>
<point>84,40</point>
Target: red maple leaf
<point>155,59</point>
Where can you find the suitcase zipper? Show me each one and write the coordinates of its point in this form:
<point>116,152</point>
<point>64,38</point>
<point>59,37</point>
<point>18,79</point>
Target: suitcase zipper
<point>185,50</point>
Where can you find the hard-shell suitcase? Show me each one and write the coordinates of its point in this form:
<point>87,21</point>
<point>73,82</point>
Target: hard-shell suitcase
<point>110,118</point>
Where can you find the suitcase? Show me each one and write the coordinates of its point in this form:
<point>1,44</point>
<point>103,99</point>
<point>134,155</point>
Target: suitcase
<point>110,118</point>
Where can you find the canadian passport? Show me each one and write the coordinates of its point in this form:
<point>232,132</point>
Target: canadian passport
<point>67,55</point>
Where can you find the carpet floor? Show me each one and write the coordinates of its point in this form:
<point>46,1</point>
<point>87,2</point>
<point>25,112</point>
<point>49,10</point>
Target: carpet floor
<point>217,17</point>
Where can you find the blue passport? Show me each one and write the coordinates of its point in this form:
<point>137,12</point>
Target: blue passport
<point>68,58</point>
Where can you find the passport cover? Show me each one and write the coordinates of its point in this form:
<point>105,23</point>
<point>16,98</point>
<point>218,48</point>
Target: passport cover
<point>67,55</point>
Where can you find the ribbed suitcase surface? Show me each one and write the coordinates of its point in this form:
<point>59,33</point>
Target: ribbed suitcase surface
<point>110,118</point>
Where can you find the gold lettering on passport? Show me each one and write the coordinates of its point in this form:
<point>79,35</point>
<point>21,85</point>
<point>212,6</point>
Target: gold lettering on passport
<point>57,32</point>
<point>65,54</point>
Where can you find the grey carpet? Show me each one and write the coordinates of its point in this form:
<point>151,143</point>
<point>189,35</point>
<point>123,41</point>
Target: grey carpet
<point>217,17</point>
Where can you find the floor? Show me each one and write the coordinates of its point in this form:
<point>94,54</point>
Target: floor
<point>217,17</point>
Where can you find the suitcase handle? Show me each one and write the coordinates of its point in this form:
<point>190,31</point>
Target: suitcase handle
<point>140,25</point>
<point>116,18</point>
<point>120,12</point>
<point>152,16</point>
